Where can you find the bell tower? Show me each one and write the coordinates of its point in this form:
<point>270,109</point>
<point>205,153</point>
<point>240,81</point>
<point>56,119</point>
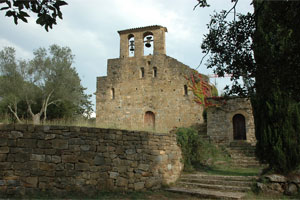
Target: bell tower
<point>133,41</point>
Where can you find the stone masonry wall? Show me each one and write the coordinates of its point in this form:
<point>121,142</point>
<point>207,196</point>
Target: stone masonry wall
<point>61,159</point>
<point>220,120</point>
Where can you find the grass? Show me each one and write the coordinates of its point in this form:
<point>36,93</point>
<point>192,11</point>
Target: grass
<point>228,171</point>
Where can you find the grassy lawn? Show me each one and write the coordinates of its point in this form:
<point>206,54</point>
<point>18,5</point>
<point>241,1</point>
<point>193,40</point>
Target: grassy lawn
<point>228,171</point>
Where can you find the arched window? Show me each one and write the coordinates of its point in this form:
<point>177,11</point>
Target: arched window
<point>142,72</point>
<point>112,93</point>
<point>239,127</point>
<point>131,44</point>
<point>185,90</point>
<point>149,45</point>
<point>149,120</point>
<point>154,72</point>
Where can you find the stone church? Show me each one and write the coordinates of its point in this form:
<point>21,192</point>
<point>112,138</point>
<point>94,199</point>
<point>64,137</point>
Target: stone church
<point>150,92</point>
<point>144,92</point>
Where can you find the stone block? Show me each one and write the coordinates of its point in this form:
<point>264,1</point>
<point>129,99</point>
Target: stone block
<point>36,157</point>
<point>55,159</point>
<point>76,141</point>
<point>151,182</point>
<point>22,157</point>
<point>50,136</point>
<point>69,166</point>
<point>82,166</point>
<point>99,160</point>
<point>3,142</point>
<point>4,150</point>
<point>47,166</point>
<point>121,182</point>
<point>143,167</point>
<point>276,178</point>
<point>3,157</point>
<point>139,186</point>
<point>60,144</point>
<point>31,182</point>
<point>15,134</point>
<point>113,175</point>
<point>29,143</point>
<point>85,147</point>
<point>69,158</point>
<point>44,144</point>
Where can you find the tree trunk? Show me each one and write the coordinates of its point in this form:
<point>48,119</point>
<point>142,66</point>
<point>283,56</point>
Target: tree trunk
<point>36,119</point>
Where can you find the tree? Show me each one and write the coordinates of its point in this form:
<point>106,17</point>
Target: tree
<point>46,10</point>
<point>47,79</point>
<point>263,48</point>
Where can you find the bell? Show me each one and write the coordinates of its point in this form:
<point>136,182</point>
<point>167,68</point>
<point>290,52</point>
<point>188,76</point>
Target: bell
<point>131,46</point>
<point>148,44</point>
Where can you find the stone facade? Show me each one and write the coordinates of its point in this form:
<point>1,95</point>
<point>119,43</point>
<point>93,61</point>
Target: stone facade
<point>145,91</point>
<point>63,159</point>
<point>221,120</point>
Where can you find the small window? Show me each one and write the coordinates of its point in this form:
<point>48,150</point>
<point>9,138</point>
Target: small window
<point>142,72</point>
<point>112,93</point>
<point>154,72</point>
<point>185,90</point>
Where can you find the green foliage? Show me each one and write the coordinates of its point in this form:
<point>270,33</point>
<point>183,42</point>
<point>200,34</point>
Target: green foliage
<point>46,11</point>
<point>196,151</point>
<point>47,81</point>
<point>277,124</point>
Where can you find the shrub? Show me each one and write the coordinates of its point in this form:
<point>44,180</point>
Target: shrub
<point>196,151</point>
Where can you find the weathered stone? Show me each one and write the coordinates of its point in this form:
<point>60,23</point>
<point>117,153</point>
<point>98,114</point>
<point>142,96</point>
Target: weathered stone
<point>50,136</point>
<point>276,178</point>
<point>144,167</point>
<point>3,157</point>
<point>292,189</point>
<point>56,159</point>
<point>69,158</point>
<point>36,157</point>
<point>139,185</point>
<point>22,157</point>
<point>47,166</point>
<point>122,182</point>
<point>3,142</point>
<point>85,147</point>
<point>4,150</point>
<point>60,144</point>
<point>82,166</point>
<point>31,182</point>
<point>69,166</point>
<point>113,175</point>
<point>99,160</point>
<point>151,182</point>
<point>30,143</point>
<point>15,134</point>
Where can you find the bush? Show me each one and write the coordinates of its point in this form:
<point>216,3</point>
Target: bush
<point>277,127</point>
<point>196,151</point>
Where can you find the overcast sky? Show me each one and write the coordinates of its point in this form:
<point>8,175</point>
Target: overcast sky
<point>89,28</point>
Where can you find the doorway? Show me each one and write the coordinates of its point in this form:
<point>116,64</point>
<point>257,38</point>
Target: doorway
<point>239,127</point>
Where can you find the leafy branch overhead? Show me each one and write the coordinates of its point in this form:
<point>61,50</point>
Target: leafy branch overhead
<point>47,11</point>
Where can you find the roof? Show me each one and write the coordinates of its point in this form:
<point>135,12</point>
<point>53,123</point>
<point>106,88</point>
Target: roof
<point>145,28</point>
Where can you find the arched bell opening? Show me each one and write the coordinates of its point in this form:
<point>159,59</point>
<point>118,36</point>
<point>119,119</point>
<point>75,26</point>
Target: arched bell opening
<point>148,43</point>
<point>239,127</point>
<point>131,45</point>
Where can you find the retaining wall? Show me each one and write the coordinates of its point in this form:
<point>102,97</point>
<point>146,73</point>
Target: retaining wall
<point>62,159</point>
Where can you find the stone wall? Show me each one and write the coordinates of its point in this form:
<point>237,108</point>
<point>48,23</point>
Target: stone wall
<point>63,159</point>
<point>220,119</point>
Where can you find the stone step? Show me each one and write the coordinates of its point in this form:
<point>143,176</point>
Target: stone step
<point>208,194</point>
<point>240,143</point>
<point>214,187</point>
<point>219,177</point>
<point>217,182</point>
